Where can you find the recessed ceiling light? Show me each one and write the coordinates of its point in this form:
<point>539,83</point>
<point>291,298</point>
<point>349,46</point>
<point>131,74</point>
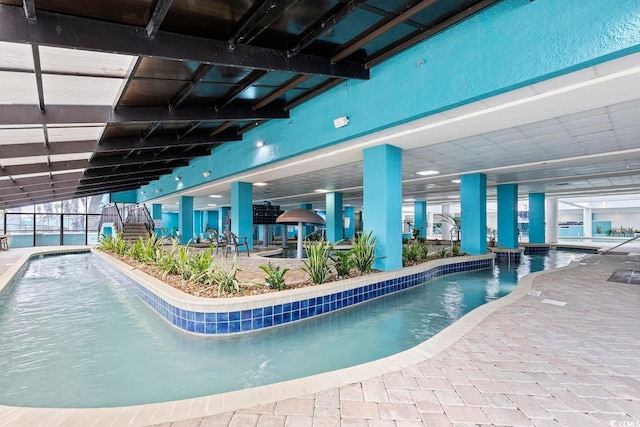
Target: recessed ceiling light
<point>455,181</point>
<point>409,200</point>
<point>320,190</point>
<point>211,204</point>
<point>259,184</point>
<point>425,173</point>
<point>453,197</point>
<point>215,196</point>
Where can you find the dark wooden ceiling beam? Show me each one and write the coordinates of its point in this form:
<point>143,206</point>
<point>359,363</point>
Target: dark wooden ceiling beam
<point>98,182</point>
<point>54,195</point>
<point>127,143</point>
<point>20,114</point>
<point>156,168</point>
<point>157,17</point>
<point>294,82</point>
<point>377,31</point>
<point>385,14</point>
<point>66,31</point>
<point>199,75</point>
<point>312,33</point>
<point>250,20</point>
<point>146,156</point>
<point>29,7</point>
<point>419,36</point>
<point>243,85</point>
<point>15,170</point>
<point>39,149</point>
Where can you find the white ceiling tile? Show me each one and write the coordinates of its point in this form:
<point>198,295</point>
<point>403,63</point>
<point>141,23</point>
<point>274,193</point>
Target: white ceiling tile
<point>75,90</point>
<point>84,62</point>
<point>23,160</point>
<point>606,127</point>
<point>16,56</point>
<point>21,136</point>
<point>18,88</point>
<point>74,134</point>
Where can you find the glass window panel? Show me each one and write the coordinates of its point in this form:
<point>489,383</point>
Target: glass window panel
<point>74,134</point>
<point>53,59</point>
<point>49,208</point>
<point>20,228</point>
<point>94,204</point>
<point>92,227</point>
<point>73,230</point>
<point>18,88</point>
<point>75,206</point>
<point>47,230</point>
<point>78,90</point>
<point>21,136</point>
<point>16,56</point>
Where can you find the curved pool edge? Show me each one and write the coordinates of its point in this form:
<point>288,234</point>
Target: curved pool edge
<point>156,413</point>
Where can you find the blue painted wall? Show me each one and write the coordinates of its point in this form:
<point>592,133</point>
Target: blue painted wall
<point>124,197</point>
<point>511,44</point>
<point>169,222</point>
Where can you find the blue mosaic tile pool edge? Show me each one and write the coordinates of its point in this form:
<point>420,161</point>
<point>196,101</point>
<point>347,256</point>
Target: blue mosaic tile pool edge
<point>257,318</point>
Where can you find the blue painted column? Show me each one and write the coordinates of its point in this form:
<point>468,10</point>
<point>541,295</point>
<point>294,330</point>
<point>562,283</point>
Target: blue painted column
<point>420,218</point>
<point>308,229</point>
<point>224,216</point>
<point>508,215</point>
<point>334,217</point>
<point>536,218</point>
<point>350,222</point>
<point>156,216</point>
<point>185,219</point>
<point>197,223</point>
<point>473,216</point>
<point>242,210</point>
<point>212,220</point>
<point>383,203</point>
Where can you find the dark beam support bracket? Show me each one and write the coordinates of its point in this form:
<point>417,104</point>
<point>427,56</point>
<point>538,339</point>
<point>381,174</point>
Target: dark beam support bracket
<point>52,29</point>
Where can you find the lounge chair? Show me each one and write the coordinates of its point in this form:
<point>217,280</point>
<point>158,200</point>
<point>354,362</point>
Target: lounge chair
<point>217,241</point>
<point>235,242</point>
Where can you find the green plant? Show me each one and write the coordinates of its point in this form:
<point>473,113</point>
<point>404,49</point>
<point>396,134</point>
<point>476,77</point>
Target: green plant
<point>343,262</point>
<point>199,265</point>
<point>442,252</point>
<point>224,279</point>
<point>455,249</point>
<point>275,275</point>
<point>113,244</point>
<point>416,233</point>
<point>423,251</point>
<point>363,250</point>
<point>410,253</point>
<point>316,264</point>
<point>183,267</point>
<point>168,262</point>
<point>599,229</point>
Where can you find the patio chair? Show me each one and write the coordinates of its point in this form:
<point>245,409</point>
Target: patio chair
<point>235,242</point>
<point>217,240</point>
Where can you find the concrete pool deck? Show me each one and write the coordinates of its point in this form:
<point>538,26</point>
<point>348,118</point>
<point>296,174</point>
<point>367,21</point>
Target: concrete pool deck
<point>523,360</point>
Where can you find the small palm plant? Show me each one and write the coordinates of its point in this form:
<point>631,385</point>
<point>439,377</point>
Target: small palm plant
<point>364,248</point>
<point>316,264</point>
<point>275,275</point>
<point>343,262</point>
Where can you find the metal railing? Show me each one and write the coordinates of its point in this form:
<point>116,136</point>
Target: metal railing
<point>623,243</point>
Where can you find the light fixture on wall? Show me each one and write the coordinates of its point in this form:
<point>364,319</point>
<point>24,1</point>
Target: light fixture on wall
<point>455,181</point>
<point>142,192</point>
<point>206,174</point>
<point>158,190</point>
<point>260,144</point>
<point>178,177</point>
<point>427,173</point>
<point>341,122</point>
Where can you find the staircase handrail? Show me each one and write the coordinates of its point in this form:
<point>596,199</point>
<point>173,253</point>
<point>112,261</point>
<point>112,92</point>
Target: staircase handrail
<point>118,219</point>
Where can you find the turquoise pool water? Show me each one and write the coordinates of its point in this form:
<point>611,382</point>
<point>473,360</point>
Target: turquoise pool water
<point>73,337</point>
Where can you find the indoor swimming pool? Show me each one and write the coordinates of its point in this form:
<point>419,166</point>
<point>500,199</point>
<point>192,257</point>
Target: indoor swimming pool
<point>72,336</point>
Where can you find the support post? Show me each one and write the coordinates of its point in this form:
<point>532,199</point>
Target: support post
<point>473,215</point>
<point>185,219</point>
<point>242,211</point>
<point>536,218</point>
<point>508,215</point>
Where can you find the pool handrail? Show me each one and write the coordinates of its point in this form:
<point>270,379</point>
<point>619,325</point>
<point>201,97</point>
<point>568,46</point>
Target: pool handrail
<point>623,243</point>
